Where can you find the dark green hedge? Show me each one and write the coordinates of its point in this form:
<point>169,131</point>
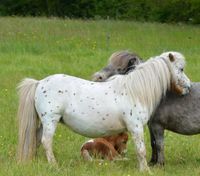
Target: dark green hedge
<point>143,10</point>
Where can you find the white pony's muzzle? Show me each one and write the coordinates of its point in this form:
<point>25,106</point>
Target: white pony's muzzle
<point>186,85</point>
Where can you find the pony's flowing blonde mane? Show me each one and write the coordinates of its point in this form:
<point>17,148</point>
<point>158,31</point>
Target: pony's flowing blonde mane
<point>149,82</point>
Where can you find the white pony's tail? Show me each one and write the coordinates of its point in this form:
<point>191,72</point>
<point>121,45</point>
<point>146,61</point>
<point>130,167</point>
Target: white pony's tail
<point>27,120</point>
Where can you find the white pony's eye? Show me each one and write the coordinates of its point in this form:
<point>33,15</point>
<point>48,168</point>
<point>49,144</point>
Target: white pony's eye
<point>182,69</point>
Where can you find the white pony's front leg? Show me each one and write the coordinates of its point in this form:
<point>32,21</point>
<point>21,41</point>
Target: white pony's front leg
<point>135,127</point>
<point>138,138</point>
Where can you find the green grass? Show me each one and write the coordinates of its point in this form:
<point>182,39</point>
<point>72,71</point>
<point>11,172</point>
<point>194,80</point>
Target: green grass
<point>38,47</point>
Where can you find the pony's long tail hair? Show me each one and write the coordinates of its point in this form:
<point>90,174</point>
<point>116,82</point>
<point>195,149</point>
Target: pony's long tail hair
<point>27,120</point>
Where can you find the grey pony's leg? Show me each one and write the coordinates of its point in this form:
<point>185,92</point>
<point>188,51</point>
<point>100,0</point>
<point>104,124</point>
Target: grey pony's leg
<point>158,142</point>
<point>154,153</point>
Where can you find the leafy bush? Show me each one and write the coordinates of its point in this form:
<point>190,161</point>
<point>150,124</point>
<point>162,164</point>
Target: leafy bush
<point>187,11</point>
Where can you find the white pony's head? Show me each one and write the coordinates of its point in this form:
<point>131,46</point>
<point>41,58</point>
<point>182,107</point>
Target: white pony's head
<point>180,82</point>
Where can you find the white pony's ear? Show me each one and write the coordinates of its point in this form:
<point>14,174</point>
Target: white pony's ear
<point>171,57</point>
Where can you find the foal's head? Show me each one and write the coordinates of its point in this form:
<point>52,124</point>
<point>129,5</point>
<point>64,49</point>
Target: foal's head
<point>180,82</point>
<point>119,142</point>
<point>119,63</point>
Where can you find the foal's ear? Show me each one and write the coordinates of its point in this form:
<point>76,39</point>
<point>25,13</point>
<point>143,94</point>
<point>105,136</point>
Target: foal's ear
<point>171,57</point>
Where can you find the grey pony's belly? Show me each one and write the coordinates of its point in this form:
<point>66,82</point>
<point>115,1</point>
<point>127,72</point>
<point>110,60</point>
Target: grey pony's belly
<point>180,114</point>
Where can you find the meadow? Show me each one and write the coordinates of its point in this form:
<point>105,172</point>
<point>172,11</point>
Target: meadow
<point>38,47</point>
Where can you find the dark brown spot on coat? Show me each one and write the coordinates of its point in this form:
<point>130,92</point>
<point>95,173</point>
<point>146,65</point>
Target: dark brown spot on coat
<point>43,114</point>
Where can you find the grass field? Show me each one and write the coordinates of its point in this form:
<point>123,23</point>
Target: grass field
<point>38,47</point>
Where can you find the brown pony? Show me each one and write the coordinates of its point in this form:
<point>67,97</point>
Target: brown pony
<point>110,148</point>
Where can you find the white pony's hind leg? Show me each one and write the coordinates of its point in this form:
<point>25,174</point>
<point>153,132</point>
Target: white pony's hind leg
<point>39,135</point>
<point>49,127</point>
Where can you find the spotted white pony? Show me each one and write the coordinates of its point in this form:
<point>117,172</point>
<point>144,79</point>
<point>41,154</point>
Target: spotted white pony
<point>97,109</point>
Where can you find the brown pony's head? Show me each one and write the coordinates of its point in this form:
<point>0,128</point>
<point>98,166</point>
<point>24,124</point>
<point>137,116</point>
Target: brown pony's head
<point>119,63</point>
<point>119,142</point>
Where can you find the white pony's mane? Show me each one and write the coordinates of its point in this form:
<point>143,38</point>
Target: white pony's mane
<point>149,82</point>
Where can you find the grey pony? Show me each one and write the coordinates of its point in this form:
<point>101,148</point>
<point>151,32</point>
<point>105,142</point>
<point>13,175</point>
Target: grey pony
<point>175,113</point>
<point>180,114</point>
<point>120,62</point>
